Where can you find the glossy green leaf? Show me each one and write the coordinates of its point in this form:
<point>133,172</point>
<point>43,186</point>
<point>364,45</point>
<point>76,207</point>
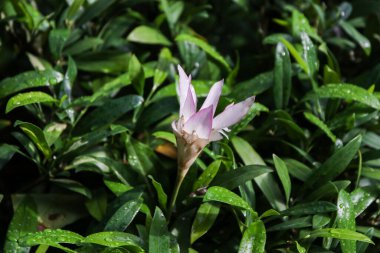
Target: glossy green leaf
<point>297,169</point>
<point>320,124</point>
<point>159,237</point>
<point>320,220</point>
<point>204,219</point>
<point>336,164</point>
<point>53,131</point>
<point>220,194</point>
<point>97,205</point>
<point>339,233</point>
<point>204,46</point>
<point>24,220</point>
<point>207,175</point>
<point>121,219</point>
<point>28,98</point>
<point>36,135</point>
<point>300,249</point>
<point>292,224</point>
<point>57,40</point>
<point>239,176</point>
<point>296,55</point>
<point>136,74</point>
<point>282,77</point>
<point>140,156</point>
<point>345,91</point>
<point>72,185</point>
<point>52,237</point>
<point>345,219</point>
<point>310,208</point>
<point>309,54</point>
<point>6,153</point>
<point>283,174</point>
<point>115,239</point>
<point>148,35</point>
<point>254,86</point>
<point>364,43</point>
<point>83,45</point>
<point>74,7</point>
<point>109,112</point>
<point>254,238</point>
<point>161,195</point>
<point>266,182</point>
<point>94,10</point>
<point>362,198</point>
<point>29,79</point>
<point>170,137</point>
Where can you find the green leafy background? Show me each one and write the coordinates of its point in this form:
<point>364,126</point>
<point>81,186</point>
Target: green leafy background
<point>88,159</point>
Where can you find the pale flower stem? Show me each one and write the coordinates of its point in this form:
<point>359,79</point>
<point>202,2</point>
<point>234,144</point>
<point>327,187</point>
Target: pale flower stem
<point>180,176</point>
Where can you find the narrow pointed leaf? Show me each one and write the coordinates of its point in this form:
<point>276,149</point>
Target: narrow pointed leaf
<point>204,219</point>
<point>254,238</point>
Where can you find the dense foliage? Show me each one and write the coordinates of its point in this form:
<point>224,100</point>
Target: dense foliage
<point>88,157</point>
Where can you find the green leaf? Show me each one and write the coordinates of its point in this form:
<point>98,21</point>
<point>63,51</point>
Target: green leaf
<point>266,182</point>
<point>345,219</point>
<point>283,174</point>
<point>234,178</point>
<point>148,35</point>
<point>335,165</point>
<point>36,135</point>
<point>310,55</point>
<point>74,7</point>
<point>140,157</point>
<point>29,79</point>
<point>52,237</point>
<point>300,249</point>
<point>345,91</point>
<point>6,153</point>
<point>115,239</point>
<point>220,194</point>
<point>204,46</point>
<point>97,205</point>
<point>282,77</point>
<point>361,199</point>
<point>162,197</point>
<point>302,222</point>
<point>319,123</point>
<point>254,86</point>
<point>339,233</point>
<point>207,175</point>
<point>83,45</point>
<point>159,237</point>
<point>57,40</point>
<point>170,137</point>
<point>24,220</point>
<point>28,98</point>
<point>94,10</point>
<point>53,131</point>
<point>108,113</point>
<point>296,55</point>
<point>310,208</point>
<point>72,185</point>
<point>204,219</point>
<point>298,169</point>
<point>136,74</point>
<point>364,43</point>
<point>254,238</point>
<point>121,219</point>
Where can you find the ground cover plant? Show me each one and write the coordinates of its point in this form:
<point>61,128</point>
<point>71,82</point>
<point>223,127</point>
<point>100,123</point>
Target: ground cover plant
<point>88,157</point>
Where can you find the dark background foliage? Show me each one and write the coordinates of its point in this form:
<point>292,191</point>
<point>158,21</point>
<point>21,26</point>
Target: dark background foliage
<point>87,95</point>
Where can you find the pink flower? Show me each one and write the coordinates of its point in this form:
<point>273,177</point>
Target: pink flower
<point>195,129</point>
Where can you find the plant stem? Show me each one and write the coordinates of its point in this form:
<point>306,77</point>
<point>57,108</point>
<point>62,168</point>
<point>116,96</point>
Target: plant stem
<point>180,176</point>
